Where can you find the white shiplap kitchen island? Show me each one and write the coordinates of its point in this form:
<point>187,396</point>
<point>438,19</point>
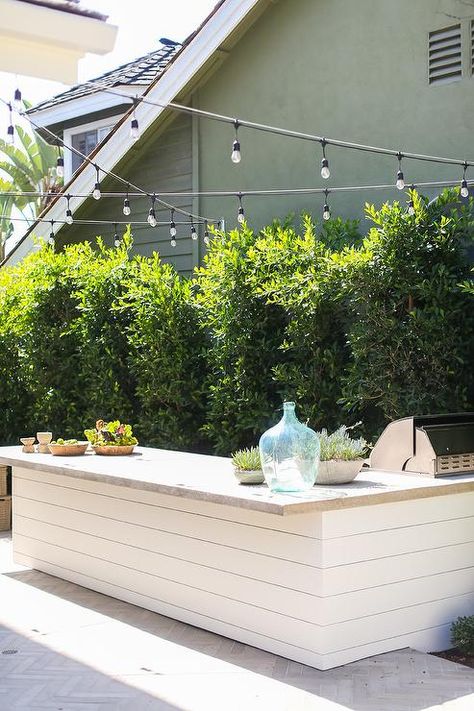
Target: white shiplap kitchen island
<point>323,578</point>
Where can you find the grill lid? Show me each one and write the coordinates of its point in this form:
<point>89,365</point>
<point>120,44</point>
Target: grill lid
<point>432,445</point>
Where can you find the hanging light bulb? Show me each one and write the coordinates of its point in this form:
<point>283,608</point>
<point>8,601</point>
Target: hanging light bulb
<point>173,230</point>
<point>10,129</point>
<point>51,235</point>
<point>235,155</point>
<point>464,186</point>
<point>134,131</point>
<point>241,211</point>
<point>400,180</point>
<point>126,204</point>
<point>60,167</point>
<point>325,172</point>
<point>17,100</point>
<point>411,207</point>
<point>326,208</point>
<point>69,217</point>
<point>96,194</point>
<point>206,235</point>
<point>151,219</point>
<point>116,237</point>
<point>194,234</point>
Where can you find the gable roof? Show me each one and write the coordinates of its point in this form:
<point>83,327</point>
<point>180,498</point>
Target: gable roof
<point>226,17</point>
<point>139,72</point>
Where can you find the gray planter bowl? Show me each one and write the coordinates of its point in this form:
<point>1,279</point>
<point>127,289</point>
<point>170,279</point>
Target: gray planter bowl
<point>338,471</point>
<point>246,477</point>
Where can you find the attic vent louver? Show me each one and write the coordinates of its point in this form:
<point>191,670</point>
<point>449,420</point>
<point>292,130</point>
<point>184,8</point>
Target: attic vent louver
<point>445,63</point>
<point>472,47</point>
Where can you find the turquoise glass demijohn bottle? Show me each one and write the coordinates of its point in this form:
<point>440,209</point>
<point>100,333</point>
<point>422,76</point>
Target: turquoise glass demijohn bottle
<point>289,453</point>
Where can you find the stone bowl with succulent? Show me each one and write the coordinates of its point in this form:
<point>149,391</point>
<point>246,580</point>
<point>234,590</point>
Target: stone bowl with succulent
<point>247,466</point>
<point>341,456</point>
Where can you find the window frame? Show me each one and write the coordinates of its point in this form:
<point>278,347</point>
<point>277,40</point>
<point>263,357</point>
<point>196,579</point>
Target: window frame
<point>82,128</point>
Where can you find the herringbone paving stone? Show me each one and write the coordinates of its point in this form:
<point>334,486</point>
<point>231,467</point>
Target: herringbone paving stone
<point>66,648</point>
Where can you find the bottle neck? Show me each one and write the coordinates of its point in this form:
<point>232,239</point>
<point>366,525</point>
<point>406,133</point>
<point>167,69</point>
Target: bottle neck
<point>289,412</point>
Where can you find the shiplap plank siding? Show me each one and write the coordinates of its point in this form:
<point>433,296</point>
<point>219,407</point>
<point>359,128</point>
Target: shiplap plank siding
<point>322,588</point>
<point>164,165</point>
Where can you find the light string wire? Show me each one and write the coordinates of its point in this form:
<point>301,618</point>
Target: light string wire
<point>164,223</point>
<point>238,194</point>
<point>99,169</point>
<point>322,140</point>
<point>249,193</point>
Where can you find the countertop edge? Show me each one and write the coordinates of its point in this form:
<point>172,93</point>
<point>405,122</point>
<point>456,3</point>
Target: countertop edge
<point>262,506</point>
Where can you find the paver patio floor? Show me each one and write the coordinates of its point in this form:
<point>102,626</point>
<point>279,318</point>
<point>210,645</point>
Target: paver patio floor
<point>66,648</point>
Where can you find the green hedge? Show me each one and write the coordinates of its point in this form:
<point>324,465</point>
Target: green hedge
<point>372,331</point>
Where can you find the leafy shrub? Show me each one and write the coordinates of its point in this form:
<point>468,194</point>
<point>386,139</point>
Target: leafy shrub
<point>167,356</point>
<point>299,275</point>
<point>245,334</point>
<point>411,328</point>
<point>372,331</point>
<point>66,345</point>
<point>462,634</point>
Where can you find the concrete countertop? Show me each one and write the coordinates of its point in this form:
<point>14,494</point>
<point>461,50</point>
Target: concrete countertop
<point>207,478</point>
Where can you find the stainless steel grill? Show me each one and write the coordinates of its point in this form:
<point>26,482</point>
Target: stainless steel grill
<point>431,445</point>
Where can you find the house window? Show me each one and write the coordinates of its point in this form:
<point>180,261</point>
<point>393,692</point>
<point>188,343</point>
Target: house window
<point>445,58</point>
<point>85,142</point>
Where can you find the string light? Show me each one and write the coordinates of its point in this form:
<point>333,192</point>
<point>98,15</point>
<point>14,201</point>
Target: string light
<point>400,179</point>
<point>10,129</point>
<point>126,204</point>
<point>60,165</point>
<point>240,211</point>
<point>116,237</point>
<point>173,230</point>
<point>69,217</point>
<point>134,130</point>
<point>206,234</point>
<point>17,100</point>
<point>151,219</point>
<point>51,239</point>
<point>464,188</point>
<point>86,159</point>
<point>236,155</point>
<point>194,234</point>
<point>325,172</point>
<point>326,208</point>
<point>411,204</point>
<point>96,194</point>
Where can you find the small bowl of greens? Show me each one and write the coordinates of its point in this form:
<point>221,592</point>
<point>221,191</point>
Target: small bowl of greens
<point>67,447</point>
<point>111,438</point>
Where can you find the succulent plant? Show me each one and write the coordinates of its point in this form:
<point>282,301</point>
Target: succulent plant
<point>247,460</point>
<point>340,445</point>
